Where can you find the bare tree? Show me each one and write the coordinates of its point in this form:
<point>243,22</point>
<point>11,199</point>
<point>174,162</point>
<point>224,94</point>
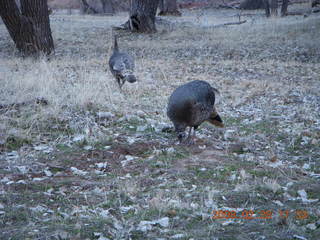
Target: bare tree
<point>96,6</point>
<point>251,4</point>
<point>168,7</point>
<point>143,15</point>
<point>274,7</point>
<point>107,6</point>
<point>29,27</point>
<point>314,3</point>
<point>86,8</point>
<point>271,7</point>
<point>284,8</point>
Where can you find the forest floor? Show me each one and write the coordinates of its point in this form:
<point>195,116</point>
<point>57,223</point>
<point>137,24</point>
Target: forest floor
<point>95,163</point>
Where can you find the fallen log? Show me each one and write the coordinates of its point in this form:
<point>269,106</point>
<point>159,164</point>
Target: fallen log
<point>229,23</point>
<point>87,7</point>
<point>228,6</point>
<point>303,13</point>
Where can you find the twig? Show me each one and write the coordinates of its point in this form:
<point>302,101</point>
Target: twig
<point>228,6</point>
<point>230,23</point>
<point>88,7</point>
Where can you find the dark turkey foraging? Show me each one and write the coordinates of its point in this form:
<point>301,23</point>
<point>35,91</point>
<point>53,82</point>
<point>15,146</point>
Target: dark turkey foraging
<point>190,105</point>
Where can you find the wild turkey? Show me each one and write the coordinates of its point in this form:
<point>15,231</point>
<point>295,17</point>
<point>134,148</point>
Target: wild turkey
<point>190,105</point>
<point>121,65</point>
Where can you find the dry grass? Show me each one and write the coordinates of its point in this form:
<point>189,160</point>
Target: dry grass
<point>268,73</point>
<point>82,49</point>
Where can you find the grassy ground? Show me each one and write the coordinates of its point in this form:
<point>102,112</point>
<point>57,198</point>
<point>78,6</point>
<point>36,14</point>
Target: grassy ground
<point>95,164</point>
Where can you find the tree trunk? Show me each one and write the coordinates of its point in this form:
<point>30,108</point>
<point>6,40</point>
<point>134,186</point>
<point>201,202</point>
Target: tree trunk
<point>18,4</point>
<point>267,8</point>
<point>30,28</point>
<point>107,6</point>
<point>271,7</point>
<point>85,8</point>
<point>284,8</point>
<point>274,7</point>
<point>314,3</point>
<point>96,7</point>
<point>143,15</point>
<point>168,7</point>
<point>251,4</point>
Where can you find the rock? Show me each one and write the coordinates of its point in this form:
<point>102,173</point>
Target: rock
<point>304,197</point>
<point>38,179</point>
<point>38,209</point>
<point>104,214</point>
<point>12,155</point>
<point>289,184</point>
<point>48,173</point>
<point>179,235</point>
<point>44,148</point>
<point>311,226</point>
<point>129,157</point>
<point>103,238</point>
<point>99,236</point>
<point>170,150</point>
<point>306,166</point>
<point>229,134</point>
<point>226,223</point>
<point>233,177</point>
<point>141,113</point>
<point>144,226</point>
<point>126,209</point>
<point>101,165</point>
<point>87,147</point>
<point>23,169</point>
<point>105,115</point>
<point>147,225</point>
<point>171,213</point>
<point>131,140</point>
<point>164,222</point>
<point>278,203</point>
<point>142,128</point>
<point>76,171</point>
<point>303,193</point>
<point>202,147</point>
<point>299,237</point>
<point>59,234</point>
<point>4,180</point>
<point>78,138</point>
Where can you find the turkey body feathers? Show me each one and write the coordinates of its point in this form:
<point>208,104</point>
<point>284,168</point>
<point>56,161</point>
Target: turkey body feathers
<point>122,65</point>
<point>191,104</point>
